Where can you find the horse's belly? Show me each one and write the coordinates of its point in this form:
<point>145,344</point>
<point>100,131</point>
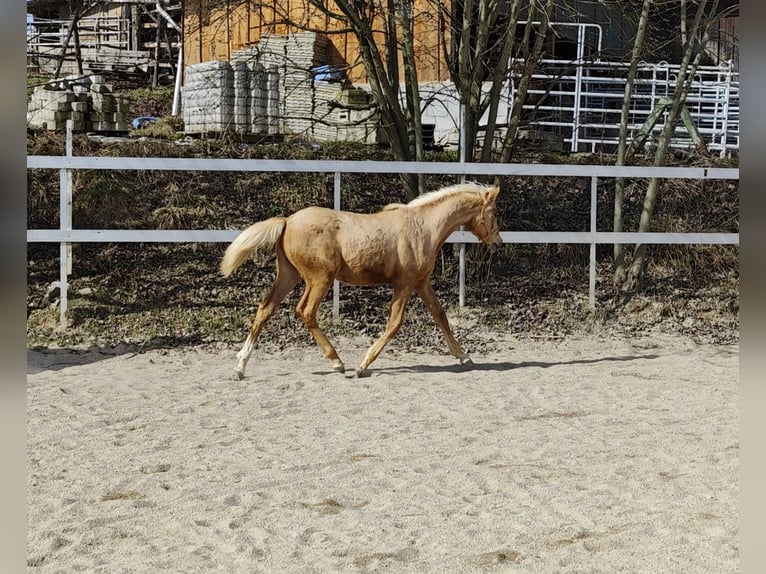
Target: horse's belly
<point>362,276</point>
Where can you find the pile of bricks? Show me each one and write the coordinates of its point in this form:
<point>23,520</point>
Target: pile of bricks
<point>87,101</point>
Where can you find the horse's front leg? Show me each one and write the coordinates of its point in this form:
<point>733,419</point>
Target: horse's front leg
<point>316,289</point>
<point>396,312</point>
<point>428,296</point>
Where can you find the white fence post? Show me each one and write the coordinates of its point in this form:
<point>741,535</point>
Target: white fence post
<point>65,224</point>
<point>592,270</point>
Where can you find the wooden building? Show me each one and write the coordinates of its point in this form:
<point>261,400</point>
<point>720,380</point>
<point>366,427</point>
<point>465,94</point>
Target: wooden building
<point>120,36</point>
<point>213,29</point>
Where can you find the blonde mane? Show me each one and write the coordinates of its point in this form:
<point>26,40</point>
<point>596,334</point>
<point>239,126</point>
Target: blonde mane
<point>434,196</point>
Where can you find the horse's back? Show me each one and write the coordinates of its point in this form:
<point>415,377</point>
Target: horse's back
<point>355,247</point>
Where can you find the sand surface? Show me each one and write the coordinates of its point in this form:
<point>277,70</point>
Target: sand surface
<point>581,455</point>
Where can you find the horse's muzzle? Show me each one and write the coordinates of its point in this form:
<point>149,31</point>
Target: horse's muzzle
<point>495,244</point>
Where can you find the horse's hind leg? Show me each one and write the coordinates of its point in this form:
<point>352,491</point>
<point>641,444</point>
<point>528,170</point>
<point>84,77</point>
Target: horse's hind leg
<point>395,314</point>
<point>287,279</point>
<point>428,296</point>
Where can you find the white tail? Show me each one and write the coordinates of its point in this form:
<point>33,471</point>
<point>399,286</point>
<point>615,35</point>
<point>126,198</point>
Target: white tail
<point>259,235</point>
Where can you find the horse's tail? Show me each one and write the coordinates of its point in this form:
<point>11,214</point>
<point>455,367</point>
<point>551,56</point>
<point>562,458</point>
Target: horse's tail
<point>262,234</point>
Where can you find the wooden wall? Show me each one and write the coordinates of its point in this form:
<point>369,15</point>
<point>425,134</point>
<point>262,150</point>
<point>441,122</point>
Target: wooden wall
<point>215,28</point>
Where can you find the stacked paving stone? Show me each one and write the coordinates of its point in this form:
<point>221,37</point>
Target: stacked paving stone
<point>326,114</point>
<point>87,101</point>
<point>241,111</point>
<point>304,50</point>
<point>272,51</point>
<point>354,117</point>
<point>250,92</point>
<point>270,89</point>
<point>208,104</point>
<point>342,113</point>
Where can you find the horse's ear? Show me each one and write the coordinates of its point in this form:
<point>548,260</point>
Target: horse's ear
<point>492,194</point>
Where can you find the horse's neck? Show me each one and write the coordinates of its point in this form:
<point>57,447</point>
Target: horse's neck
<point>447,215</point>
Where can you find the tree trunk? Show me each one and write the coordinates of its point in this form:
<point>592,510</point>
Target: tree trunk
<point>530,62</point>
<point>77,50</point>
<point>65,45</point>
<point>619,189</point>
<point>412,93</point>
<point>500,77</point>
<point>383,72</point>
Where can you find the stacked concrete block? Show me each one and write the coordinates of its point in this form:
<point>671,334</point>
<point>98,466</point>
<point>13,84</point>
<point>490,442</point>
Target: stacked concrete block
<point>355,119</point>
<point>272,55</point>
<point>241,111</point>
<point>342,114</point>
<point>208,103</point>
<point>274,102</point>
<point>87,101</point>
<point>49,109</point>
<point>258,102</point>
<point>326,113</point>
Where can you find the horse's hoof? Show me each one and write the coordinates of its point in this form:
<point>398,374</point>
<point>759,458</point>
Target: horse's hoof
<point>237,376</point>
<point>339,368</point>
<point>466,361</point>
<point>362,373</point>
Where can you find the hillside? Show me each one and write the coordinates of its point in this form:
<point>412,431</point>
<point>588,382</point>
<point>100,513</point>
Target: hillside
<point>169,294</point>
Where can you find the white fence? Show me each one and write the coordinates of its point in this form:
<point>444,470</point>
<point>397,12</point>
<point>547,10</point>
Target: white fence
<point>582,102</point>
<point>579,104</point>
<point>66,164</point>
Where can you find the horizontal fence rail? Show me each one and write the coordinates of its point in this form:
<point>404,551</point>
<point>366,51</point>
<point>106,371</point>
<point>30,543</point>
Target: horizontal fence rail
<point>65,235</point>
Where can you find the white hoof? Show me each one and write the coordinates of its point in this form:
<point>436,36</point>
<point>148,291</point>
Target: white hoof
<point>237,375</point>
<point>339,367</point>
<point>466,361</point>
<point>362,373</point>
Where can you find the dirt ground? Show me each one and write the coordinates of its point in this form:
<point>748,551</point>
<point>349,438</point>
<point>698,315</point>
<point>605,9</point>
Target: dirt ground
<point>590,453</point>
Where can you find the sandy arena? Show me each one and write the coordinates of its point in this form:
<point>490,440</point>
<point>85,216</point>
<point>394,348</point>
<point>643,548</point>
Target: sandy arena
<point>588,455</point>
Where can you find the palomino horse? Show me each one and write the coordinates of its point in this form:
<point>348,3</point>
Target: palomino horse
<point>396,246</point>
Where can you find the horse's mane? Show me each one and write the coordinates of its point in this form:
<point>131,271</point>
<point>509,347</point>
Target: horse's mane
<point>432,196</point>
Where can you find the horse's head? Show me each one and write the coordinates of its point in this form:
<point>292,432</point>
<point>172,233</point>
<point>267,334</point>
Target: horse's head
<point>484,225</point>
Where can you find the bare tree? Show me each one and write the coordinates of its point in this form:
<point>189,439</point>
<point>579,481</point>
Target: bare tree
<point>484,35</point>
<point>693,49</point>
<point>77,9</point>
<point>401,121</point>
<point>619,188</point>
<point>530,63</point>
